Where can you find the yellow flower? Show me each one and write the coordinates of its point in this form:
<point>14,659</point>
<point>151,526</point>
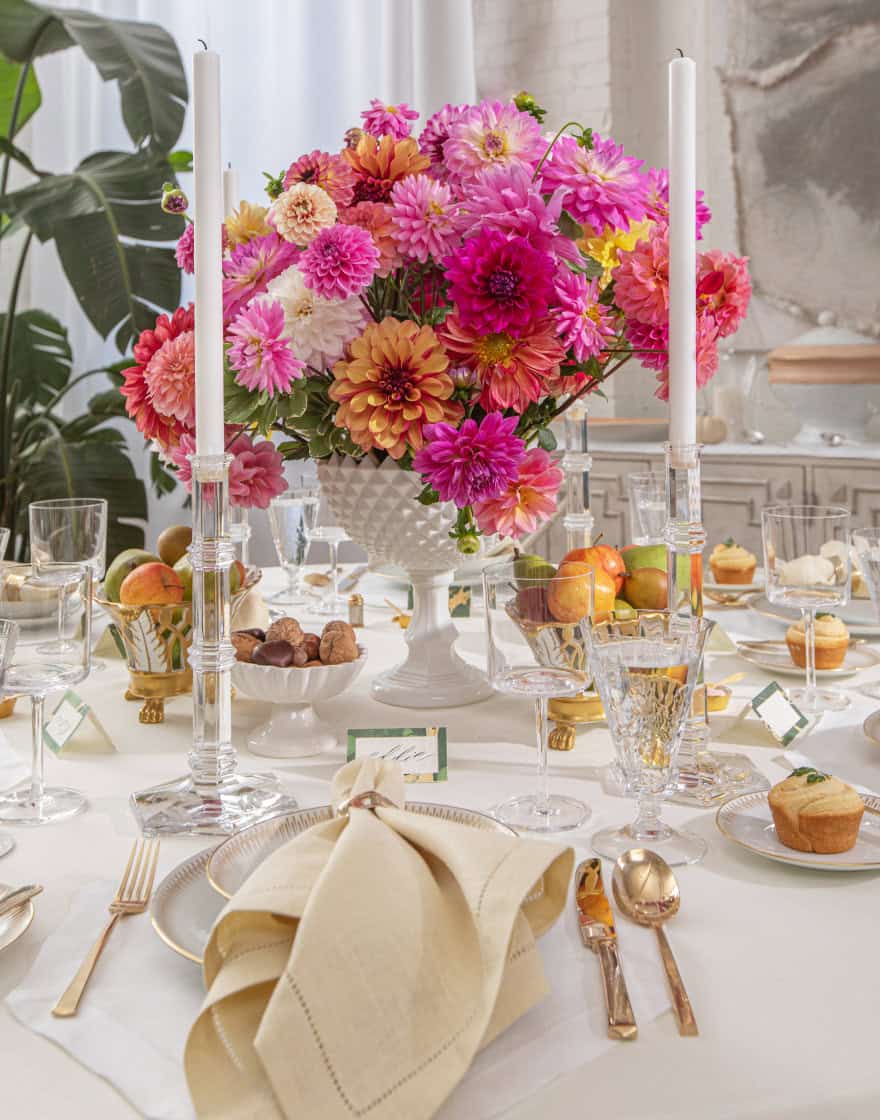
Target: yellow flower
<point>605,249</point>
<point>246,222</point>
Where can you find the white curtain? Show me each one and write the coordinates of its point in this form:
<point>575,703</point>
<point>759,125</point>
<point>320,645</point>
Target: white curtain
<point>295,74</point>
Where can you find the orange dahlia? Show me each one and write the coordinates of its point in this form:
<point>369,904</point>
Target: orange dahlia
<point>378,164</point>
<point>395,382</point>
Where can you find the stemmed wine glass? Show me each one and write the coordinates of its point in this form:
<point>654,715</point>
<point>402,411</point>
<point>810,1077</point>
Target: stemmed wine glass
<point>645,670</point>
<point>289,514</point>
<point>866,546</point>
<point>28,603</point>
<point>802,573</point>
<point>647,507</point>
<point>535,626</point>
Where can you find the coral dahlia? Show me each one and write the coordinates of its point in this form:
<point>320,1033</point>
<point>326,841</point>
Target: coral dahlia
<point>151,422</point>
<point>641,281</point>
<point>723,289</point>
<point>331,172</point>
<point>527,500</point>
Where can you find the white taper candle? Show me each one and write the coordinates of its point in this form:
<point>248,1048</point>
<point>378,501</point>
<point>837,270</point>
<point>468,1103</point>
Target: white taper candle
<point>231,197</point>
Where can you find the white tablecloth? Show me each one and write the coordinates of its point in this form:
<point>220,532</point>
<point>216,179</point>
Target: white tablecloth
<point>781,963</point>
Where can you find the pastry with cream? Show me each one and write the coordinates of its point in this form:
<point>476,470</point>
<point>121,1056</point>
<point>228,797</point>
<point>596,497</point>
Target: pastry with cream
<point>815,812</point>
<point>731,563</point>
<point>832,642</point>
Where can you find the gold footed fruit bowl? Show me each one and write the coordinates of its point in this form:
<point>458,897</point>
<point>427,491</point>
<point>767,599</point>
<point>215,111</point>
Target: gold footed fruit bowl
<point>156,638</point>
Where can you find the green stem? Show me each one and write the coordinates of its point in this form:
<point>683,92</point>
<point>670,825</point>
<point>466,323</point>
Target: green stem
<point>568,124</point>
<point>19,95</point>
<point>6,353</point>
<point>70,385</point>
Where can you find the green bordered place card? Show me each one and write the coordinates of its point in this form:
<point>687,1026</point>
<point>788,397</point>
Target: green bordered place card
<point>421,751</point>
<point>781,718</point>
<point>73,726</point>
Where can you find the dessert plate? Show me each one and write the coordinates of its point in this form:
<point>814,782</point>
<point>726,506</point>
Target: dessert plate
<point>747,821</point>
<point>185,907</point>
<point>14,925</point>
<point>775,658</point>
<point>756,583</point>
<point>858,614</point>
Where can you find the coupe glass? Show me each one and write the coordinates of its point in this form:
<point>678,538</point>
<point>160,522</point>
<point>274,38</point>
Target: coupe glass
<point>807,571</point>
<point>647,507</point>
<point>289,516</point>
<point>645,670</point>
<point>65,532</point>
<point>532,654</point>
<point>866,547</point>
<point>28,605</point>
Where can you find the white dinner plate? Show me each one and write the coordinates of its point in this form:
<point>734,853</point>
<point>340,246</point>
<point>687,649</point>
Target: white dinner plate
<point>747,821</point>
<point>858,614</point>
<point>756,584</point>
<point>13,926</point>
<point>185,907</point>
<point>775,658</point>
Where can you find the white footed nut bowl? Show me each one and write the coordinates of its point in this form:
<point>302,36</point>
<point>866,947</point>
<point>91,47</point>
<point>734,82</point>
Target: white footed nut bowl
<point>376,505</point>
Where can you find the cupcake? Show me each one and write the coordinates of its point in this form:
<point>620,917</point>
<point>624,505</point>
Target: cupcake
<point>832,642</point>
<point>815,812</point>
<point>730,563</point>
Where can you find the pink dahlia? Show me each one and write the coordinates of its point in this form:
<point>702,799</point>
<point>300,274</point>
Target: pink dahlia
<point>340,262</point>
<point>322,169</point>
<point>256,473</point>
<point>650,343</point>
<point>139,404</point>
<point>490,134</point>
<point>658,200</point>
<point>505,198</point>
<point>388,120</point>
<point>259,352</point>
<point>512,371</point>
<point>170,378</point>
<point>423,215</point>
<point>524,502</point>
<point>602,185</point>
<point>641,280</point>
<point>723,289</point>
<point>376,219</point>
<point>249,268</point>
<point>435,134</point>
<point>707,353</point>
<point>585,325</point>
<point>473,462</point>
<point>499,283</point>
<point>185,250</point>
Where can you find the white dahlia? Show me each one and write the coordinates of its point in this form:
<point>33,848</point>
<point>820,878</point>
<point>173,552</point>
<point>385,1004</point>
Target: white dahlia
<point>318,328</point>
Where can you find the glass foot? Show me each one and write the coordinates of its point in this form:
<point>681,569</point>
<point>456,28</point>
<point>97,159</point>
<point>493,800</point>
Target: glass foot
<point>288,597</point>
<point>6,844</point>
<point>708,778</point>
<point>817,701</point>
<point>556,814</point>
<point>56,803</point>
<point>336,605</point>
<point>177,808</point>
<point>59,648</point>
<point>676,846</point>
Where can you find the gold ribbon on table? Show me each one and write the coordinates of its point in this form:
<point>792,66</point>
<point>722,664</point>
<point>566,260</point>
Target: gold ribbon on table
<point>363,964</point>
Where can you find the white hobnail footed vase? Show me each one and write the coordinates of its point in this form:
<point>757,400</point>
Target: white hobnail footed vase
<point>376,504</point>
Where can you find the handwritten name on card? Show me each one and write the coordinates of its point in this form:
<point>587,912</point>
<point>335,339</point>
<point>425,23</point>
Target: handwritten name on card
<point>421,751</point>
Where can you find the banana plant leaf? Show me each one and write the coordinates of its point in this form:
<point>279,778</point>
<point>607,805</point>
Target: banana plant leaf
<point>10,74</point>
<point>40,360</point>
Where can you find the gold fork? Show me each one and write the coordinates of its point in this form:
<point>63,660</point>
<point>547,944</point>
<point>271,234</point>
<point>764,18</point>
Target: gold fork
<point>132,897</point>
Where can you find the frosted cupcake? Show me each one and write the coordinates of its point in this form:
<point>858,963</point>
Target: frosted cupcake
<point>832,642</point>
<point>731,563</point>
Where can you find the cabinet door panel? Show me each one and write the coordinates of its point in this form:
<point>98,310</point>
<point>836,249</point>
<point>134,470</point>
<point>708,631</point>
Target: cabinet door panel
<point>856,487</point>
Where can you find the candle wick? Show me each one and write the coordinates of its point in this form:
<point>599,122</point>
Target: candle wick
<point>680,51</point>
<point>204,44</point>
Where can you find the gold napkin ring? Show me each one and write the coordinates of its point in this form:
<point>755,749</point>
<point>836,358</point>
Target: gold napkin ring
<point>369,799</point>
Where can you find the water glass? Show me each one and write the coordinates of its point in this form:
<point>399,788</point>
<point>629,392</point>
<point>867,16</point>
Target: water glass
<point>532,653</point>
<point>866,550</point>
<point>647,507</point>
<point>332,536</point>
<point>805,570</point>
<point>292,516</point>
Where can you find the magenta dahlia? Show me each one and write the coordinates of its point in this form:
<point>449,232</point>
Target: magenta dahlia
<point>260,353</point>
<point>505,198</point>
<point>602,185</point>
<point>472,462</point>
<point>423,218</point>
<point>340,262</point>
<point>585,325</point>
<point>435,134</point>
<point>490,134</point>
<point>249,268</point>
<point>388,120</point>
<point>658,200</point>
<point>499,283</point>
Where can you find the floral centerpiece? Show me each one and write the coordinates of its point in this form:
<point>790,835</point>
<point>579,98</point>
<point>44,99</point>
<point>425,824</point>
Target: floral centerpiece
<point>434,302</point>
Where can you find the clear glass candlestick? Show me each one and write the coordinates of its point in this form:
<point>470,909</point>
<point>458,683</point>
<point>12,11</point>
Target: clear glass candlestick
<point>240,532</point>
<point>214,798</point>
<point>577,463</point>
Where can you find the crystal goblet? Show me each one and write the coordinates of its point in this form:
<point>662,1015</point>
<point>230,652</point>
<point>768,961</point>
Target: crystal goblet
<point>290,516</point>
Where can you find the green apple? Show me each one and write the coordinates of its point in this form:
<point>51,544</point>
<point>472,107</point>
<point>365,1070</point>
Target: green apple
<point>124,563</point>
<point>183,567</point>
<point>528,567</point>
<point>623,612</point>
<point>636,556</point>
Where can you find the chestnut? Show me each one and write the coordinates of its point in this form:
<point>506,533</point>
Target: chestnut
<point>278,654</point>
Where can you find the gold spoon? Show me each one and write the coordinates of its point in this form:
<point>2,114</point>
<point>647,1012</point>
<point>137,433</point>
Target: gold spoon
<point>646,891</point>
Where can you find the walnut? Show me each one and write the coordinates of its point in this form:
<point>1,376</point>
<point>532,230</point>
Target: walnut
<point>337,647</point>
<point>285,630</point>
<point>245,644</point>
<point>313,646</point>
<point>344,627</point>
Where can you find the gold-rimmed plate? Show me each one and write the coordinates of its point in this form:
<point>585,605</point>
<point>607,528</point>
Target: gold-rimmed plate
<point>185,906</point>
<point>774,657</point>
<point>858,614</point>
<point>16,923</point>
<point>748,822</point>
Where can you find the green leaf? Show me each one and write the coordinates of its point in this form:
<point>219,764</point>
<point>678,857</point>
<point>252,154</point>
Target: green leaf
<point>10,75</point>
<point>164,481</point>
<point>319,447</point>
<point>568,227</point>
<point>7,148</point>
<point>546,439</point>
<point>181,160</point>
<point>428,496</point>
<point>293,449</point>
<point>40,360</point>
<point>30,31</point>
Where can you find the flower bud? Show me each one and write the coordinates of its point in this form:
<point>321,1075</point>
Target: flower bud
<point>469,544</point>
<point>353,137</point>
<point>174,201</point>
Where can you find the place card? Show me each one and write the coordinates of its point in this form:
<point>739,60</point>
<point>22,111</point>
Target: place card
<point>781,718</point>
<point>421,751</point>
<point>459,600</point>
<point>74,718</point>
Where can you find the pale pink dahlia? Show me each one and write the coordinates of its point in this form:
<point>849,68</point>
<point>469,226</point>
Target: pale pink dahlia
<point>170,378</point>
<point>585,325</point>
<point>723,289</point>
<point>322,169</point>
<point>435,134</point>
<point>490,134</point>
<point>505,198</point>
<point>658,200</point>
<point>472,462</point>
<point>499,283</point>
<point>388,120</point>
<point>261,355</point>
<point>340,262</point>
<point>301,212</point>
<point>249,268</point>
<point>524,502</point>
<point>602,185</point>
<point>256,473</point>
<point>641,280</point>
<point>423,217</point>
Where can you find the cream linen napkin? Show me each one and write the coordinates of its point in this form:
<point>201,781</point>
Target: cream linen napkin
<point>363,965</point>
<point>250,611</point>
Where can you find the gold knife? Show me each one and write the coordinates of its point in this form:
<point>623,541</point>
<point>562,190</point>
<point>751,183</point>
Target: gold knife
<point>598,933</point>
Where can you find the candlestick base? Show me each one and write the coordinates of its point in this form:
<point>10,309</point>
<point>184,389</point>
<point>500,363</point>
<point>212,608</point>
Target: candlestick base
<point>178,808</point>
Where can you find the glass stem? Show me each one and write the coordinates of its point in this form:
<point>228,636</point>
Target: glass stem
<point>37,761</point>
<point>810,649</point>
<point>334,570</point>
<point>291,571</point>
<point>647,825</point>
<point>542,797</point>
